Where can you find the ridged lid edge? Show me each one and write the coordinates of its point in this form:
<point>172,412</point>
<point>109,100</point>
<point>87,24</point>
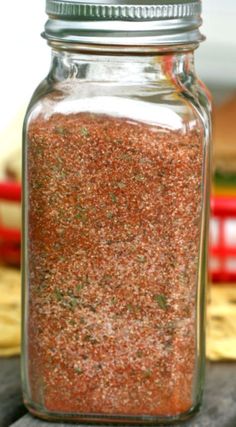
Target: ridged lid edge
<point>70,10</point>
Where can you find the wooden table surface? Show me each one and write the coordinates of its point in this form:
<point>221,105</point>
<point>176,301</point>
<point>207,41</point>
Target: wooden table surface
<point>218,410</point>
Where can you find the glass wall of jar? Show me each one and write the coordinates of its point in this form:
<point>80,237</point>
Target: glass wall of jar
<point>116,167</point>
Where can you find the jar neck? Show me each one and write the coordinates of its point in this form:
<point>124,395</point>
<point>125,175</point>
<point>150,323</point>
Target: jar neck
<point>123,67</point>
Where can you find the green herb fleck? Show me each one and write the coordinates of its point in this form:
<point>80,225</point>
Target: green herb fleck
<point>78,370</point>
<point>83,281</point>
<point>121,185</point>
<point>84,131</point>
<point>142,259</point>
<point>58,294</point>
<point>60,130</point>
<point>73,302</point>
<point>113,300</point>
<point>109,215</point>
<point>98,366</point>
<point>133,308</point>
<point>82,214</point>
<point>130,307</point>
<point>145,160</point>
<point>139,353</point>
<point>161,300</point>
<point>56,168</point>
<point>56,246</point>
<point>147,373</point>
<point>171,326</point>
<point>126,156</point>
<point>139,178</point>
<point>38,152</point>
<point>62,174</point>
<point>113,198</point>
<point>37,185</point>
<point>90,338</point>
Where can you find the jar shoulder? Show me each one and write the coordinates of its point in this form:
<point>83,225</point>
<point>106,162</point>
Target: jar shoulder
<point>170,106</point>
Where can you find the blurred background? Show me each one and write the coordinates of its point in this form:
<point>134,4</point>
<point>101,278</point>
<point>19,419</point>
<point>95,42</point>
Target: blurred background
<point>25,61</point>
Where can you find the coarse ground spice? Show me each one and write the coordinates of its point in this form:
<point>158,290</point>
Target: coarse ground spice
<point>114,217</point>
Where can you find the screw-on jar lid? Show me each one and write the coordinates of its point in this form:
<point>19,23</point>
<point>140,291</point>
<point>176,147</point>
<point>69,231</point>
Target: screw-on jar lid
<point>130,22</point>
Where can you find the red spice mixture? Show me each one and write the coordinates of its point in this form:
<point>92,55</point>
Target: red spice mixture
<point>114,234</point>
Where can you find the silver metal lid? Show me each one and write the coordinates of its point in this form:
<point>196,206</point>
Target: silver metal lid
<point>127,23</point>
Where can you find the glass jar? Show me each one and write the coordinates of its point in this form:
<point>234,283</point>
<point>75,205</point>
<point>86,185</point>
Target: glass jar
<point>116,189</point>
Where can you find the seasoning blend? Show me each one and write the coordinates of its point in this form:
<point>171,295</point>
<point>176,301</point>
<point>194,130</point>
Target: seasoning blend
<point>116,172</point>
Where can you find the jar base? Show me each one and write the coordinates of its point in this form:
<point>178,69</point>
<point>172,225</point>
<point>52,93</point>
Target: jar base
<point>39,412</point>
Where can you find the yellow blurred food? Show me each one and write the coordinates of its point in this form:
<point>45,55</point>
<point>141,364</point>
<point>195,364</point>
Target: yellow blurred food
<point>10,311</point>
<point>221,329</point>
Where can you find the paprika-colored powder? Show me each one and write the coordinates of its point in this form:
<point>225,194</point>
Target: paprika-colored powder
<point>114,218</point>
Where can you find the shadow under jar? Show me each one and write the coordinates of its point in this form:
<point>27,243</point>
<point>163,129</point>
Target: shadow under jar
<point>116,188</point>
